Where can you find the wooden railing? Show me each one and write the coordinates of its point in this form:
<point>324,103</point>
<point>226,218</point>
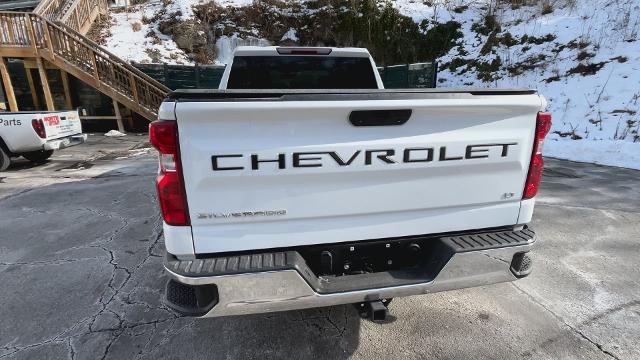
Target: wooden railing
<point>68,49</point>
<point>13,29</point>
<point>106,67</point>
<point>81,14</point>
<point>77,14</point>
<point>19,29</point>
<point>49,8</point>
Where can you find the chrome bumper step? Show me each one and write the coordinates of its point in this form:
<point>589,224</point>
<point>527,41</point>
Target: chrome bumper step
<point>281,280</point>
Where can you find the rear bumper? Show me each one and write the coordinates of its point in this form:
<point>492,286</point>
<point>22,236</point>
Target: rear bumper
<point>58,144</point>
<point>279,281</point>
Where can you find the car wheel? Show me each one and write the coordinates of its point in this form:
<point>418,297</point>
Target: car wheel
<point>5,160</point>
<point>38,156</point>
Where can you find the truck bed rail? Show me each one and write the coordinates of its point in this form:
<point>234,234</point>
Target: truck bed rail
<point>331,95</point>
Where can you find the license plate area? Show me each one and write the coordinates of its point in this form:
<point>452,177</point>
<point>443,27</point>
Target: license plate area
<point>371,256</point>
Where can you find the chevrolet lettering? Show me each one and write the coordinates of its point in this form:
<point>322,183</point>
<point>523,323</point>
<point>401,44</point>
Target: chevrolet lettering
<point>360,157</point>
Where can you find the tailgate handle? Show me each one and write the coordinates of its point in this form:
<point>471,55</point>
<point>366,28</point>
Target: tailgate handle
<point>379,117</point>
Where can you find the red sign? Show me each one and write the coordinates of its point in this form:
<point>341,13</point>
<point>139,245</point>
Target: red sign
<point>51,120</point>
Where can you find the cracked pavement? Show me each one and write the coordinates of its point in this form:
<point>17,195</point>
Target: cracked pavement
<point>81,267</point>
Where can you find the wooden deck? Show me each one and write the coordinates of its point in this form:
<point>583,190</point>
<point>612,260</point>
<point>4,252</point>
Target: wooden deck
<point>53,35</point>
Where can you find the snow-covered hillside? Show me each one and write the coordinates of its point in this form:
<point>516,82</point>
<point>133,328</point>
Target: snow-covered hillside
<point>589,69</point>
<point>582,55</point>
<point>132,37</point>
<point>134,32</point>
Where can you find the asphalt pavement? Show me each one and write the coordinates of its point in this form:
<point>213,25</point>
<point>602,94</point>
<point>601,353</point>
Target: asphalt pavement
<point>81,272</point>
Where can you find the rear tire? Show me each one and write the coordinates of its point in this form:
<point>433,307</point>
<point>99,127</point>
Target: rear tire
<point>37,156</point>
<point>5,160</point>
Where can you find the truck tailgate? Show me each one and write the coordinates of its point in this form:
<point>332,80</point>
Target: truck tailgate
<point>459,162</point>
<point>61,124</point>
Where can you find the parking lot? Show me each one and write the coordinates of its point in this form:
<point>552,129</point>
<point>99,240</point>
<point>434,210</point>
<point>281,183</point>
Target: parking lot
<point>81,272</point>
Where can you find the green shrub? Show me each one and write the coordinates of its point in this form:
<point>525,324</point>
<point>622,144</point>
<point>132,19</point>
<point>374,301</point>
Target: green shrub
<point>526,39</point>
<point>456,63</point>
<point>490,24</point>
<point>587,69</point>
<point>583,55</point>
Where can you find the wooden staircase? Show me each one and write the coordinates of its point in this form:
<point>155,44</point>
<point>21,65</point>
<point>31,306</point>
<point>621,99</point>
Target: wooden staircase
<point>54,32</point>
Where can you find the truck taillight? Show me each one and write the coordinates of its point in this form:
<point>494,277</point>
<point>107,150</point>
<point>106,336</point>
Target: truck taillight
<point>303,51</point>
<point>163,135</point>
<point>38,126</point>
<point>536,166</point>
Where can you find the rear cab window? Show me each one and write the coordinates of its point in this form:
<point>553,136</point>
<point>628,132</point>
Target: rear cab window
<point>301,72</point>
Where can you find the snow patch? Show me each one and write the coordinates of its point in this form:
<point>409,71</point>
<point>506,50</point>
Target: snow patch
<point>290,35</point>
<point>114,133</point>
<point>146,45</point>
<point>234,3</point>
<point>604,152</point>
<point>225,45</point>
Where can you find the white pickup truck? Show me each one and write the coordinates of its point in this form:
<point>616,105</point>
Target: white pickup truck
<point>35,135</point>
<point>305,184</point>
